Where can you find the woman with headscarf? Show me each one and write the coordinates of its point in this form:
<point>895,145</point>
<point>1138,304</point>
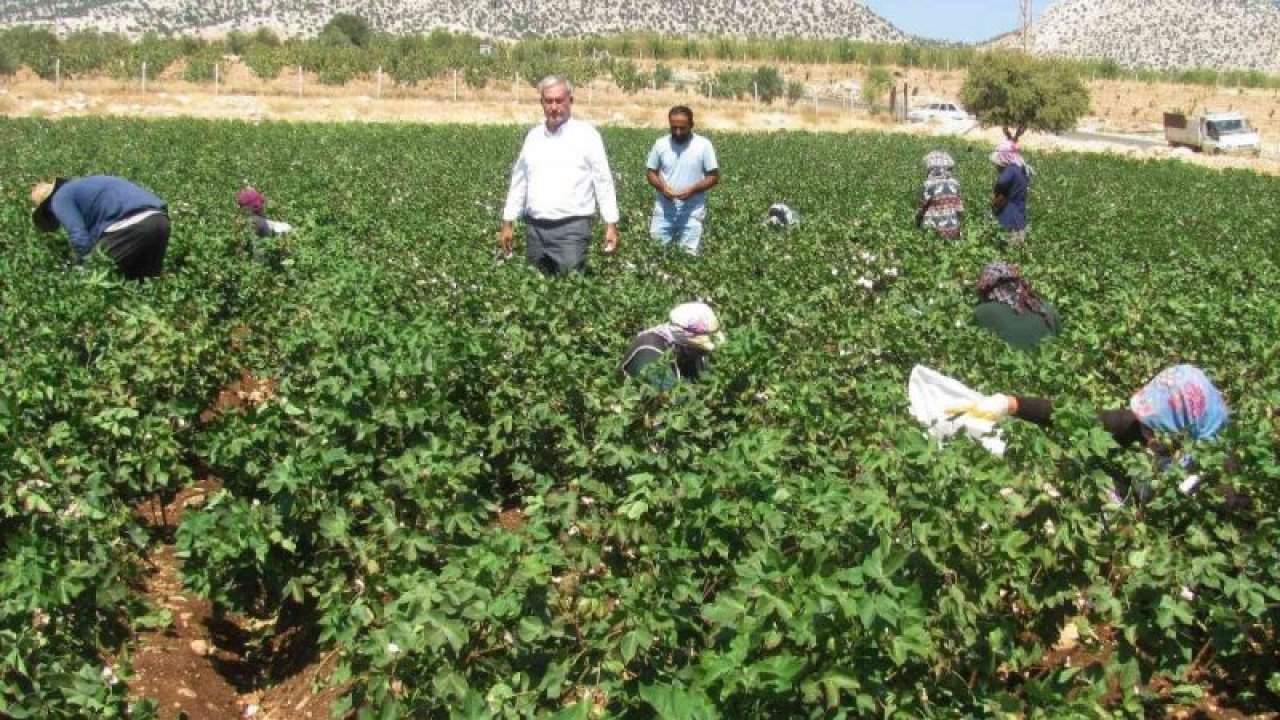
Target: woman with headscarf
<point>1180,403</point>
<point>675,350</point>
<point>941,208</point>
<point>1009,307</point>
<point>1009,199</point>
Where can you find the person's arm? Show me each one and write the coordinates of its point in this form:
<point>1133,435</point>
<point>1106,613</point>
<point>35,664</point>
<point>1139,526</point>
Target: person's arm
<point>1123,426</point>
<point>923,205</point>
<point>707,182</point>
<point>655,180</point>
<point>1000,193</point>
<point>602,185</point>
<point>516,196</point>
<point>68,213</point>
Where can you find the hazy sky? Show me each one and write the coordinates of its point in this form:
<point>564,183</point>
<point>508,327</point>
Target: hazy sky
<point>955,20</point>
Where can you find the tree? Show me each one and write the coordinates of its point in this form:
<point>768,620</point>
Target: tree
<point>795,92</point>
<point>875,85</point>
<point>353,28</point>
<point>769,84</point>
<point>1021,92</point>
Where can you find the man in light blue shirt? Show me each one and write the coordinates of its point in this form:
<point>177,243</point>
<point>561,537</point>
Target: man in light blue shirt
<point>681,168</point>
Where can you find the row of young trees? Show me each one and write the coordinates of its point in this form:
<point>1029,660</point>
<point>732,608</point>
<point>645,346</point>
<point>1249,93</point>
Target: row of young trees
<point>347,47</point>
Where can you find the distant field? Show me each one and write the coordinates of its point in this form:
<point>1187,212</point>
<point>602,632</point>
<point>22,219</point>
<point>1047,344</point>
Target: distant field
<point>436,478</point>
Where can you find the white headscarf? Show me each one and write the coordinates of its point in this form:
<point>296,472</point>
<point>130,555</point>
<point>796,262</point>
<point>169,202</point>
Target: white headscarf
<point>693,325</point>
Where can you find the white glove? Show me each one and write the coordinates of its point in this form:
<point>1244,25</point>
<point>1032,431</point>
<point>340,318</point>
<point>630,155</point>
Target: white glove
<point>991,407</point>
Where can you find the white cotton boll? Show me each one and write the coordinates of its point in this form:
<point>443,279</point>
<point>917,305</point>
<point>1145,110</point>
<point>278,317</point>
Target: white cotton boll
<point>866,282</point>
<point>891,272</point>
<point>1049,528</point>
<point>1187,594</point>
<point>393,649</point>
<point>1006,491</point>
<point>1186,486</point>
<point>1050,490</point>
<point>109,675</point>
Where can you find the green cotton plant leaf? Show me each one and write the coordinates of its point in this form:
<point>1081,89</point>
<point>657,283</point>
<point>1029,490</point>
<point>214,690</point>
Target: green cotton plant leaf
<point>633,642</point>
<point>726,610</point>
<point>675,702</point>
<point>442,631</point>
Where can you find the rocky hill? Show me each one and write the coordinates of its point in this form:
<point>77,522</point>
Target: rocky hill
<point>497,18</point>
<point>1219,34</point>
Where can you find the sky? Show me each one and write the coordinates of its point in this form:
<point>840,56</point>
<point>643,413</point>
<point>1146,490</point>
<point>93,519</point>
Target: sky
<point>953,20</point>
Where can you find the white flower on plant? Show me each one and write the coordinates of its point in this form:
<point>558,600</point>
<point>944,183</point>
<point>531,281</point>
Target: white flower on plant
<point>393,649</point>
<point>109,675</point>
<point>573,530</point>
<point>1187,594</point>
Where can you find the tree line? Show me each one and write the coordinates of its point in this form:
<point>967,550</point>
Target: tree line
<point>347,47</point>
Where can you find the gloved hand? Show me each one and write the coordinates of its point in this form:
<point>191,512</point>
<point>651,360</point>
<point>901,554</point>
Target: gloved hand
<point>991,407</point>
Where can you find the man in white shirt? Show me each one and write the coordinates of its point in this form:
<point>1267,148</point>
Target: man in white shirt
<point>560,177</point>
<point>681,168</point>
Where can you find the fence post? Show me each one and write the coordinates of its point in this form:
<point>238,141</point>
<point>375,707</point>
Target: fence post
<point>379,94</point>
<point>217,76</point>
<point>755,91</point>
<point>299,81</point>
<point>455,85</point>
<point>57,74</point>
<point>144,77</point>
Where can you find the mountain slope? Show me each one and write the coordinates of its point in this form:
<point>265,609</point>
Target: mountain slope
<point>1219,34</point>
<point>514,18</point>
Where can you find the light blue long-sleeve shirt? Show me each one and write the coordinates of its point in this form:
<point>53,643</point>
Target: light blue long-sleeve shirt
<point>87,206</point>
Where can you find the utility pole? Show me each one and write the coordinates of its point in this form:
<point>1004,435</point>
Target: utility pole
<point>1025,25</point>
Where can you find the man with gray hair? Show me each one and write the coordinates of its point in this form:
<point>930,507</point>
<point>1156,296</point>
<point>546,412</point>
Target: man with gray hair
<point>559,179</point>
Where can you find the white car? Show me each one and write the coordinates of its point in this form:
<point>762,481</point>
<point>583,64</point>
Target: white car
<point>938,112</point>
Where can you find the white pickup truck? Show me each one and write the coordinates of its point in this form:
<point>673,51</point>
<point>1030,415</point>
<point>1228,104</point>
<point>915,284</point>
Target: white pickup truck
<point>1219,132</point>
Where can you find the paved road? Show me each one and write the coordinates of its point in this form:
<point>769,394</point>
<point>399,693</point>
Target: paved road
<point>1117,139</point>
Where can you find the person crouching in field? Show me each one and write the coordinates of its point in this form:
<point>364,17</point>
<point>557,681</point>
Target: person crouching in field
<point>1180,403</point>
<point>129,223</point>
<point>941,208</point>
<point>676,350</point>
<point>254,203</point>
<point>681,167</point>
<point>1011,309</point>
<point>1009,198</point>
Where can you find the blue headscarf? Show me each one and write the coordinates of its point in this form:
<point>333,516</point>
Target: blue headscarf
<point>1181,400</point>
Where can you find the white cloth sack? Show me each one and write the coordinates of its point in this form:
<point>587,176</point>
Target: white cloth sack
<point>933,393</point>
<point>279,227</point>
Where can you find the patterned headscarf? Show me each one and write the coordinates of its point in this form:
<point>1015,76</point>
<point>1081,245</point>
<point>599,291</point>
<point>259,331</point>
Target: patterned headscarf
<point>693,325</point>
<point>1006,154</point>
<point>1181,399</point>
<point>938,164</point>
<point>1003,283</point>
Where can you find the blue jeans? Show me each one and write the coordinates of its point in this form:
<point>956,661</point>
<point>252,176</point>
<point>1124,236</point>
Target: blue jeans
<point>681,228</point>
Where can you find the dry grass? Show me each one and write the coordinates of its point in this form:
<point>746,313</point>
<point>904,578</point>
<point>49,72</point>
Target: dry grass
<point>1118,106</point>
